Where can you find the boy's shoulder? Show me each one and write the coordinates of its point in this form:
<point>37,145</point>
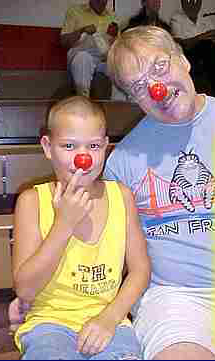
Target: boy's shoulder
<point>27,199</point>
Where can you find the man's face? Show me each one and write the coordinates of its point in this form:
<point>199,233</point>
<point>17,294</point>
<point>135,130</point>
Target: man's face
<point>179,105</point>
<point>98,5</point>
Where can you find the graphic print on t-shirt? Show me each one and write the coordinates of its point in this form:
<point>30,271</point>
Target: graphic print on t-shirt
<point>192,185</point>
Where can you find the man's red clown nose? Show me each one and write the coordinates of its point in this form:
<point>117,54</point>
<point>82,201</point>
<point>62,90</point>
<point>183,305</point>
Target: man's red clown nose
<point>83,160</point>
<point>158,91</point>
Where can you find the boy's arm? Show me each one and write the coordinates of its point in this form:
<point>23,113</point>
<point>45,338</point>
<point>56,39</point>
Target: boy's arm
<point>97,333</point>
<point>34,259</point>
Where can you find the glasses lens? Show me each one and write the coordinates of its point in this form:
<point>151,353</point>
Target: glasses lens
<point>161,67</point>
<point>158,70</point>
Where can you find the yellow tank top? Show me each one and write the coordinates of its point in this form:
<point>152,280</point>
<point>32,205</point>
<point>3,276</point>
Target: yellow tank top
<point>88,276</point>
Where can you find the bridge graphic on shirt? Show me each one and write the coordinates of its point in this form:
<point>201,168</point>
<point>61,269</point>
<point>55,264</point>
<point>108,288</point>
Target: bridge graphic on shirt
<point>152,196</point>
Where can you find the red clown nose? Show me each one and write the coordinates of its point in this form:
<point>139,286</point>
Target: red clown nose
<point>83,160</point>
<point>158,91</point>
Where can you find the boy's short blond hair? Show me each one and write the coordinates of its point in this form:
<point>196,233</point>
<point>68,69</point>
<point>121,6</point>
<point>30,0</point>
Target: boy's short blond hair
<point>79,105</point>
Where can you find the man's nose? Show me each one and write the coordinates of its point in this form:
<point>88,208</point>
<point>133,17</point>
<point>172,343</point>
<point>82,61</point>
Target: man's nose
<point>158,91</point>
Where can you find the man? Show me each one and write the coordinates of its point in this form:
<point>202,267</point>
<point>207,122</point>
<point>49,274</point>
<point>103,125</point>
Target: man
<point>148,14</point>
<point>85,35</point>
<point>167,162</point>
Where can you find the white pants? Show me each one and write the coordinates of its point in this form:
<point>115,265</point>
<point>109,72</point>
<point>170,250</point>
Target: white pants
<point>169,315</point>
<point>82,66</point>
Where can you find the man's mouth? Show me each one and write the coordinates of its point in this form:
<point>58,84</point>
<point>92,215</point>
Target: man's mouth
<point>171,96</point>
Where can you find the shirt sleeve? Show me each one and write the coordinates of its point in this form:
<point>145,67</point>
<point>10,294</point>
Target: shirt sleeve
<point>177,24</point>
<point>69,24</point>
<point>114,166</point>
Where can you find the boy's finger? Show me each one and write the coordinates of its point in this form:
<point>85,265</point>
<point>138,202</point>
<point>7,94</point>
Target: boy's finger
<point>72,185</point>
<point>82,337</point>
<point>58,192</point>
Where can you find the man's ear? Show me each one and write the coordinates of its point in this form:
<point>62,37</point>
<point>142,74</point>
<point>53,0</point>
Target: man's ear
<point>185,62</point>
<point>46,144</point>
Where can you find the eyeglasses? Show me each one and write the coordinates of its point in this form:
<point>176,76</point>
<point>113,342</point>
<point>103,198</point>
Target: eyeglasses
<point>157,72</point>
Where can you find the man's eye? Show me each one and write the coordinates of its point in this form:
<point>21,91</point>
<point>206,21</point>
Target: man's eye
<point>95,146</point>
<point>161,67</point>
<point>139,87</point>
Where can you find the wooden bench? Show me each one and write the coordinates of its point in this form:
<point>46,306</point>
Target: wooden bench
<point>21,156</point>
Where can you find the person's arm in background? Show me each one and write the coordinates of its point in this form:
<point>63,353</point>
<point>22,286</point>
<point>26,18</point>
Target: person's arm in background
<point>191,42</point>
<point>70,35</point>
<point>69,40</point>
<point>179,30</point>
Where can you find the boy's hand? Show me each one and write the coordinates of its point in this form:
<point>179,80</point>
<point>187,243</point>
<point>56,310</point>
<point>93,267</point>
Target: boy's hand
<point>95,335</point>
<point>90,29</point>
<point>72,204</point>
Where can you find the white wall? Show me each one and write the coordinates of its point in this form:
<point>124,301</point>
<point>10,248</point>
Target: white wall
<point>35,12</point>
<point>51,12</point>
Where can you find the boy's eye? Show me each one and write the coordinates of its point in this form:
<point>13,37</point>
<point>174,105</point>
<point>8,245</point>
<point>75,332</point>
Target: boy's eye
<point>69,146</point>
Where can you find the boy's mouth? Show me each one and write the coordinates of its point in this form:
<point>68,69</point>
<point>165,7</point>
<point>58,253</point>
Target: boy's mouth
<point>73,171</point>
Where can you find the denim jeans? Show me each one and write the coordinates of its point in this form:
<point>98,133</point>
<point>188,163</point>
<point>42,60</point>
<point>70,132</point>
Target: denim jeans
<point>55,342</point>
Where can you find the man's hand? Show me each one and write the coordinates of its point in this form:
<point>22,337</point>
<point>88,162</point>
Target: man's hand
<point>95,335</point>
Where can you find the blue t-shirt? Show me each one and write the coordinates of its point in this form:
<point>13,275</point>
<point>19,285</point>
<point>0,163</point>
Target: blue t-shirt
<point>169,168</point>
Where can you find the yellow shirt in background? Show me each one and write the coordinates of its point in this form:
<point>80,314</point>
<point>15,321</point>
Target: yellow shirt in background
<point>79,16</point>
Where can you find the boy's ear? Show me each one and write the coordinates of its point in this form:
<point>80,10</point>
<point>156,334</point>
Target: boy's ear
<point>46,144</point>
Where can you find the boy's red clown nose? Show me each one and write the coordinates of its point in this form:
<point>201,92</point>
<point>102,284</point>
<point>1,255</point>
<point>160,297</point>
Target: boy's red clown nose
<point>83,160</point>
<point>158,91</point>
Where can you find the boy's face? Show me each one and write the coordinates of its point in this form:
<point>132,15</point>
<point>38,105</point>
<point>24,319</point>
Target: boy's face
<point>72,135</point>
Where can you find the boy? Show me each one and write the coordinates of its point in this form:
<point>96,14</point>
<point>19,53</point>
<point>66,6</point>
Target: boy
<point>69,256</point>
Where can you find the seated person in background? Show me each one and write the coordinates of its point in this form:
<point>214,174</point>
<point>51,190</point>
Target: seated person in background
<point>68,259</point>
<point>147,15</point>
<point>87,36</point>
<point>195,32</point>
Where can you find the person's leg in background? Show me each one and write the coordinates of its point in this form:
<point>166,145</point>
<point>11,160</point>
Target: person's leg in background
<point>89,75</point>
<point>81,69</point>
<point>116,93</point>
